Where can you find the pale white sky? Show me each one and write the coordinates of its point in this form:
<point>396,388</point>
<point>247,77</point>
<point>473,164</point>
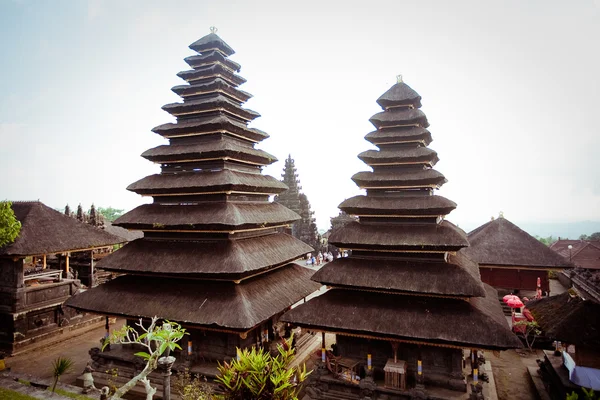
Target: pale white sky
<point>510,88</point>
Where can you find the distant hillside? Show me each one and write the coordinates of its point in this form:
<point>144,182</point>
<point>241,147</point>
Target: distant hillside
<point>565,230</point>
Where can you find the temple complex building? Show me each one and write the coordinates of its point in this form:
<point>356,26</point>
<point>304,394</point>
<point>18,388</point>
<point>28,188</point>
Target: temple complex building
<point>37,276</point>
<point>511,259</point>
<point>407,301</point>
<point>212,257</point>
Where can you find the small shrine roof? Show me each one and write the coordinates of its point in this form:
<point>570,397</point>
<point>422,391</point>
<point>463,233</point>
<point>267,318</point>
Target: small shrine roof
<point>568,318</point>
<point>47,231</point>
<point>433,237</point>
<point>500,242</point>
<point>210,42</point>
<point>207,216</point>
<point>478,323</point>
<point>219,305</point>
<point>399,94</point>
<point>457,277</point>
<point>211,181</point>
<point>404,205</point>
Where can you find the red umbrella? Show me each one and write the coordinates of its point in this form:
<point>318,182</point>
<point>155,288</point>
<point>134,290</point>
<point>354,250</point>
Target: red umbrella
<point>515,303</point>
<point>510,297</point>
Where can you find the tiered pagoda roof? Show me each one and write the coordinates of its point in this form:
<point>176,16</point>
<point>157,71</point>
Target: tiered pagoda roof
<point>211,219</point>
<point>407,278</point>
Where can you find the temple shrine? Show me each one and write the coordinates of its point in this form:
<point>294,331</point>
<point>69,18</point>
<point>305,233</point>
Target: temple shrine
<point>512,260</point>
<point>37,276</point>
<point>212,257</point>
<point>407,301</point>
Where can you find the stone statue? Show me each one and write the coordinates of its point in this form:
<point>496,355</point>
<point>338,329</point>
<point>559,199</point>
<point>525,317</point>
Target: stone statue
<point>88,379</point>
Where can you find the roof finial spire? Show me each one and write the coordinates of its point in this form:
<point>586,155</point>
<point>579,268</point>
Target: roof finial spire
<point>213,29</point>
<point>399,79</point>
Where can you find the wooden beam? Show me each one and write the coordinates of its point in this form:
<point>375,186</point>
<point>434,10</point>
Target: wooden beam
<point>67,268</point>
<point>44,265</point>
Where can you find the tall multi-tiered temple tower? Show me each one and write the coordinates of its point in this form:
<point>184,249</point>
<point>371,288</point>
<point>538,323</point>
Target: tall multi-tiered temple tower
<point>407,301</point>
<point>211,257</point>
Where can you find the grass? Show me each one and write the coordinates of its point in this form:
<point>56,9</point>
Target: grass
<point>71,394</point>
<point>60,391</point>
<point>7,394</point>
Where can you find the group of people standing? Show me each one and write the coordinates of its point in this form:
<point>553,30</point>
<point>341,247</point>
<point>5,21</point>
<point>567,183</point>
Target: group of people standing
<point>322,257</point>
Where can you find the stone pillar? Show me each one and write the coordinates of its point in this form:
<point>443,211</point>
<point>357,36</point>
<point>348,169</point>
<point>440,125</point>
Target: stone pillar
<point>164,365</point>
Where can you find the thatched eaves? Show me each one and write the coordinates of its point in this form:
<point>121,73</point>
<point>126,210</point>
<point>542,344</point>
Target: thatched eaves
<point>47,231</point>
<point>399,117</point>
<point>210,58</point>
<point>412,155</point>
<point>399,135</point>
<point>200,127</point>
<point>405,205</point>
<point>568,318</point>
<point>410,237</point>
<point>478,323</point>
<point>500,242</point>
<point>212,259</point>
<point>210,304</point>
<point>209,106</point>
<point>207,182</point>
<point>409,178</point>
<point>210,72</point>
<point>214,149</point>
<point>207,216</point>
<point>212,42</point>
<point>400,95</point>
<point>459,276</point>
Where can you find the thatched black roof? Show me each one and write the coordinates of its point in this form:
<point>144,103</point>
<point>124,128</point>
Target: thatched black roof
<point>432,237</point>
<point>210,72</point>
<point>213,124</point>
<point>568,318</point>
<point>212,304</point>
<point>209,181</point>
<point>212,42</point>
<point>399,135</point>
<point>478,323</point>
<point>500,242</point>
<point>405,205</point>
<point>398,117</point>
<point>122,232</point>
<point>399,94</point>
<point>220,148</point>
<point>47,231</point>
<point>211,57</point>
<point>459,276</point>
<point>400,156</point>
<point>220,259</point>
<point>209,105</point>
<point>216,86</point>
<point>407,178</point>
<point>207,216</point>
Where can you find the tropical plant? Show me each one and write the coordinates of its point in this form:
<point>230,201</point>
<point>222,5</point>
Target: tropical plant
<point>531,332</point>
<point>110,213</point>
<point>9,225</point>
<point>589,395</point>
<point>60,366</point>
<point>255,374</point>
<point>156,340</point>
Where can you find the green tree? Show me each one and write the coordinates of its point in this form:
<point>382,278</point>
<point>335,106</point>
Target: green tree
<point>110,213</point>
<point>547,240</point>
<point>156,340</point>
<point>531,333</point>
<point>255,374</point>
<point>9,225</point>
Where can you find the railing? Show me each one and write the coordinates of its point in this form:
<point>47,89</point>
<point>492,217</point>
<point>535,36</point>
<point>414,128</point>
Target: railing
<point>47,273</point>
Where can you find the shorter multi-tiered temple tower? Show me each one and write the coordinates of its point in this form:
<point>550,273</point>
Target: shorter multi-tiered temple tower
<point>211,257</point>
<point>407,301</point>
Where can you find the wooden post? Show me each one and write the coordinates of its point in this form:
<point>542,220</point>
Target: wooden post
<point>91,268</point>
<point>419,367</point>
<point>67,268</point>
<point>475,367</point>
<point>395,347</point>
<point>44,262</point>
<point>323,347</point>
